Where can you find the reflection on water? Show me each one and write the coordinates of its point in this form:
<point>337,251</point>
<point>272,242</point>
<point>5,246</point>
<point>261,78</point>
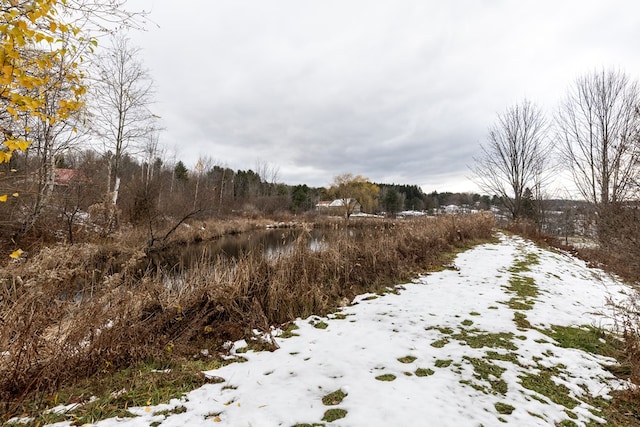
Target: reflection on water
<point>175,265</point>
<point>268,243</point>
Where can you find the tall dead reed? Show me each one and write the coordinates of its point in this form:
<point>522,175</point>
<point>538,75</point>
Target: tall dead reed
<point>72,312</point>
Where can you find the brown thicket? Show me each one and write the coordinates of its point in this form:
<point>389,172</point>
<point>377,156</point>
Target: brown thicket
<point>71,312</point>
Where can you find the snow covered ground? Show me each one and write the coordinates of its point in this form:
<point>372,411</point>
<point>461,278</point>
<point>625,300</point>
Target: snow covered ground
<point>446,350</point>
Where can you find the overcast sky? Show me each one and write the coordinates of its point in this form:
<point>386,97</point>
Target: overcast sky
<point>399,91</point>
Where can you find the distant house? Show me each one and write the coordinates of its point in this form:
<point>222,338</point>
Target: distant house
<point>323,205</point>
<point>339,206</point>
<point>352,204</point>
<point>452,209</point>
<point>65,177</point>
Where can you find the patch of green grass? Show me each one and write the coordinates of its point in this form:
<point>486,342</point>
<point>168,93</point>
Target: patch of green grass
<point>467,322</point>
<point>492,307</point>
<point>440,363</point>
<point>517,304</point>
<point>479,339</point>
<point>587,338</point>
<point>386,291</point>
<point>340,316</point>
<point>257,344</point>
<point>386,377</point>
<point>571,414</point>
<point>522,265</point>
<point>287,331</point>
<point>520,319</point>
<point>543,384</point>
<point>474,385</point>
<point>443,330</point>
<point>524,287</point>
<point>321,325</point>
<point>370,297</point>
<point>308,425</point>
<point>490,373</point>
<point>334,398</point>
<point>474,313</point>
<point>407,359</point>
<point>96,412</point>
<point>504,408</point>
<point>422,372</point>
<point>505,357</point>
<point>334,414</point>
<point>140,385</point>
<point>177,410</point>
<point>440,343</point>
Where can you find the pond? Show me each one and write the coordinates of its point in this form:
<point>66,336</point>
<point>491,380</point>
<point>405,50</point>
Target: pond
<point>269,243</point>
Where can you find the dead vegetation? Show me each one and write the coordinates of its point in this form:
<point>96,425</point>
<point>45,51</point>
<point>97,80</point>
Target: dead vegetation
<point>72,312</point>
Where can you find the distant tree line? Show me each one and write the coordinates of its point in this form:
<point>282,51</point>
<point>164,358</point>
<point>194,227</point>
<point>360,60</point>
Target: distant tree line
<point>154,191</point>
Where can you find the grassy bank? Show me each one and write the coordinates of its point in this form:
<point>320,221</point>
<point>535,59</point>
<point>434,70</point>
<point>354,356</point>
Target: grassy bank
<point>80,314</point>
<point>621,259</point>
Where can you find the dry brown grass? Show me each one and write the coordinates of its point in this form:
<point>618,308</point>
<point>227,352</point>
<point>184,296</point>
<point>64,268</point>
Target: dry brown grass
<point>624,409</point>
<point>72,312</point>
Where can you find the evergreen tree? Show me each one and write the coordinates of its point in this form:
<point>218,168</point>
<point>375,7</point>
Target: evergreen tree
<point>181,171</point>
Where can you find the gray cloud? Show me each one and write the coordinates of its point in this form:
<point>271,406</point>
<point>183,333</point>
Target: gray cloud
<point>396,91</point>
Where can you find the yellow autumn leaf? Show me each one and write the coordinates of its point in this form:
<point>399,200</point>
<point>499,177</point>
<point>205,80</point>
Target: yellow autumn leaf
<point>3,198</point>
<point>7,70</point>
<point>16,254</point>
<point>17,144</point>
<point>16,194</point>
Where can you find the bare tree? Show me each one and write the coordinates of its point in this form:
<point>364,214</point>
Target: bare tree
<point>51,138</point>
<point>599,128</point>
<point>123,93</point>
<point>152,155</point>
<point>103,16</point>
<point>515,159</point>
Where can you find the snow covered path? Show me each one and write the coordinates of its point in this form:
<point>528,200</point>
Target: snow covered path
<point>455,348</point>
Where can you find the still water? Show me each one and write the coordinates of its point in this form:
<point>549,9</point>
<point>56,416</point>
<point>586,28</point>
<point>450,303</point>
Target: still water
<point>269,243</point>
